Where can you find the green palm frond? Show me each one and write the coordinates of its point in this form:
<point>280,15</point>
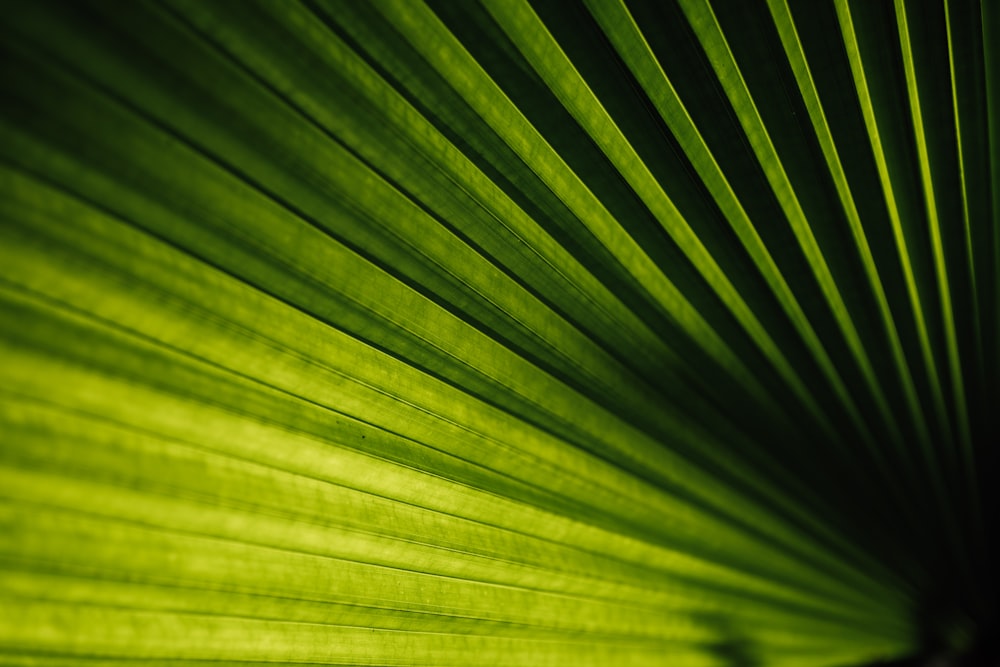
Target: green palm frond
<point>594,332</point>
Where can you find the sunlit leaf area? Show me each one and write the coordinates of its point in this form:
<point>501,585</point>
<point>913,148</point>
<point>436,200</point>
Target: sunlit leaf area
<point>499,332</point>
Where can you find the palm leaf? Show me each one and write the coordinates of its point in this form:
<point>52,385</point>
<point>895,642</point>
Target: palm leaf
<point>500,333</point>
